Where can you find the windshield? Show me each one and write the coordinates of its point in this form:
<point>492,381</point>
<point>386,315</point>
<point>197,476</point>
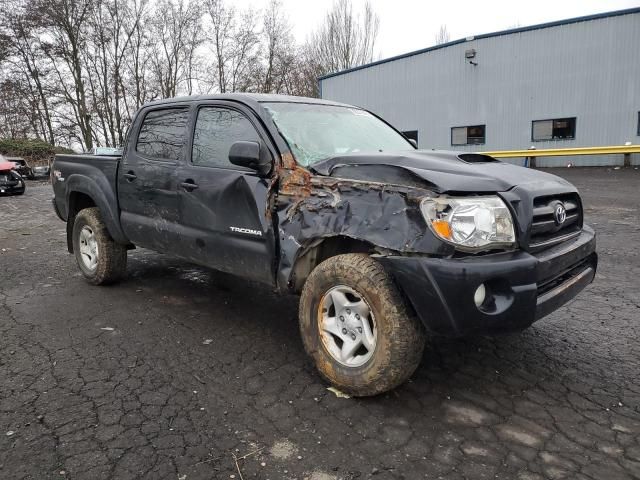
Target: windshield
<point>316,132</point>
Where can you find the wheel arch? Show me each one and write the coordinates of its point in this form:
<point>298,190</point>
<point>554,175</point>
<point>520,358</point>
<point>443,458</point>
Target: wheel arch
<point>320,250</point>
<point>82,193</point>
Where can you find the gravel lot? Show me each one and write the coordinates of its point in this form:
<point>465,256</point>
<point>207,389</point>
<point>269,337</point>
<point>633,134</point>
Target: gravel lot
<point>177,369</point>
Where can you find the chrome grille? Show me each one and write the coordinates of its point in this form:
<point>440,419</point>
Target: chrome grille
<point>545,227</point>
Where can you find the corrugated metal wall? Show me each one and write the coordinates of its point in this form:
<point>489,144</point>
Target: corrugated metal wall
<point>589,70</point>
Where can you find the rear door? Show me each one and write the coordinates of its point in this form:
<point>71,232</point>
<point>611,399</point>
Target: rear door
<point>223,207</point>
<point>147,182</point>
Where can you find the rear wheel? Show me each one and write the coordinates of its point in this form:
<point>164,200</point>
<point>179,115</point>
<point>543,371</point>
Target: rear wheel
<point>100,259</point>
<point>356,326</point>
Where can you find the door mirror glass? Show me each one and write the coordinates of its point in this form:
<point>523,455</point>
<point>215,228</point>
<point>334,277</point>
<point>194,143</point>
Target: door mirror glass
<point>249,155</point>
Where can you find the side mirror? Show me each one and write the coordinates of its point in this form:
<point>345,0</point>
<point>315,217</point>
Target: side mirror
<point>413,142</point>
<point>250,155</point>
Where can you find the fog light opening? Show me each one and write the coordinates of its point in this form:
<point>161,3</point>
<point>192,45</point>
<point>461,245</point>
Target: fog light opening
<point>480,295</point>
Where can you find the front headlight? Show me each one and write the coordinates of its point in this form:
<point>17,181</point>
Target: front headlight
<point>472,223</point>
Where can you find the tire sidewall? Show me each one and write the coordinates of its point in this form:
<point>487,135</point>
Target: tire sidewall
<point>103,274</point>
<point>330,368</point>
<point>112,257</point>
<point>82,220</point>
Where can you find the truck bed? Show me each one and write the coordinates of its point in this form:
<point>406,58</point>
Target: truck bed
<point>77,178</point>
<point>101,171</point>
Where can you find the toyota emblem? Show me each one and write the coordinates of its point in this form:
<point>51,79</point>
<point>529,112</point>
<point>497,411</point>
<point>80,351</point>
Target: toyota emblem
<point>560,214</point>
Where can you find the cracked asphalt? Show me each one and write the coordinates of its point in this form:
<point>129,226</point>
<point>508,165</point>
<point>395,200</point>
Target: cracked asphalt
<point>177,370</point>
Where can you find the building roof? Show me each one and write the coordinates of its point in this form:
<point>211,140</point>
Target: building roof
<point>539,26</point>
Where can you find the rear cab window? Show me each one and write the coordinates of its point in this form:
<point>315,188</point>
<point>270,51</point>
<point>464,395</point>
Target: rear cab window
<point>163,133</point>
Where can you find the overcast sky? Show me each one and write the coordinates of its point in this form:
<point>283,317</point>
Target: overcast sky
<point>407,25</point>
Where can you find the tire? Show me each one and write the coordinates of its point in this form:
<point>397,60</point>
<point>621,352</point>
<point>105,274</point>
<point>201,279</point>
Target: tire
<point>399,336</point>
<point>101,260</point>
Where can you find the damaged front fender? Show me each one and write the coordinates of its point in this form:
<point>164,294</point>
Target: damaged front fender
<point>311,208</point>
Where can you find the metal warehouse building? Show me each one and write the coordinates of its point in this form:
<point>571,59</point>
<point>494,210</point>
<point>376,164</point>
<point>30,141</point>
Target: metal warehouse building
<point>571,83</point>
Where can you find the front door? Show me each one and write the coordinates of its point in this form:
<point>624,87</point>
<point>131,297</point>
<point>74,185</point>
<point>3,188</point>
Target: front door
<point>147,182</point>
<point>223,207</point>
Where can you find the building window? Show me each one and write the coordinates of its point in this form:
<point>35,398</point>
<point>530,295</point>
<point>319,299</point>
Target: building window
<point>638,123</point>
<point>411,135</point>
<point>473,135</point>
<point>553,129</point>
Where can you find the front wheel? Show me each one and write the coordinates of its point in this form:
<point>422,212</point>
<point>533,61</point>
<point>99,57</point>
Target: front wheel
<point>356,326</point>
<point>100,259</point>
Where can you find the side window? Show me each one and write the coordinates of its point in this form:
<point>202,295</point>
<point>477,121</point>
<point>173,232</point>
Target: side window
<point>216,130</point>
<point>163,133</point>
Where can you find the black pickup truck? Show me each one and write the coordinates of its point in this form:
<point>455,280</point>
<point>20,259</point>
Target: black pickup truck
<point>385,243</point>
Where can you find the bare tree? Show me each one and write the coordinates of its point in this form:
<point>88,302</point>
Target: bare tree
<point>301,78</point>
<point>16,119</point>
<point>222,18</point>
<point>22,53</point>
<point>279,50</point>
<point>442,36</point>
<point>65,22</point>
<point>138,59</point>
<point>5,41</point>
<point>73,72</point>
<point>177,30</point>
<point>235,44</point>
<point>345,39</point>
<point>113,26</point>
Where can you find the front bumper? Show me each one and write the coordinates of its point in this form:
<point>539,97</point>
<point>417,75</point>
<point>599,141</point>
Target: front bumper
<point>521,287</point>
<point>10,188</point>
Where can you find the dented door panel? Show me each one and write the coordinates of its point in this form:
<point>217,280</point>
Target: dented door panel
<point>223,222</point>
<point>224,214</point>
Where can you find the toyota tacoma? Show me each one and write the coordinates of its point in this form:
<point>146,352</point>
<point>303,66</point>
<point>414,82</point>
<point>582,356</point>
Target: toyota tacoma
<point>386,244</point>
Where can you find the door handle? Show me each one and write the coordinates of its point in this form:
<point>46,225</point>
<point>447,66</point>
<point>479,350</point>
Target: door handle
<point>130,176</point>
<point>189,185</point>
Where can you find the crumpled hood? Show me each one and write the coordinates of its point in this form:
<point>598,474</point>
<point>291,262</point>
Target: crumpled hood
<point>443,171</point>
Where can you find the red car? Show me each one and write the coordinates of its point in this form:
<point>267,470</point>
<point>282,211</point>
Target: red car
<point>11,182</point>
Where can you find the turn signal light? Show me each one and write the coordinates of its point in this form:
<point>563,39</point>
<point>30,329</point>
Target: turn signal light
<point>442,228</point>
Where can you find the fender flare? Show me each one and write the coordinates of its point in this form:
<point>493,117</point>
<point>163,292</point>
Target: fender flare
<point>107,202</point>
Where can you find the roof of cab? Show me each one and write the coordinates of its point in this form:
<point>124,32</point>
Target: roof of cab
<point>248,98</point>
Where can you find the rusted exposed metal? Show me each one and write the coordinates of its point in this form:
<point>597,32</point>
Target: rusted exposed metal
<point>293,180</point>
